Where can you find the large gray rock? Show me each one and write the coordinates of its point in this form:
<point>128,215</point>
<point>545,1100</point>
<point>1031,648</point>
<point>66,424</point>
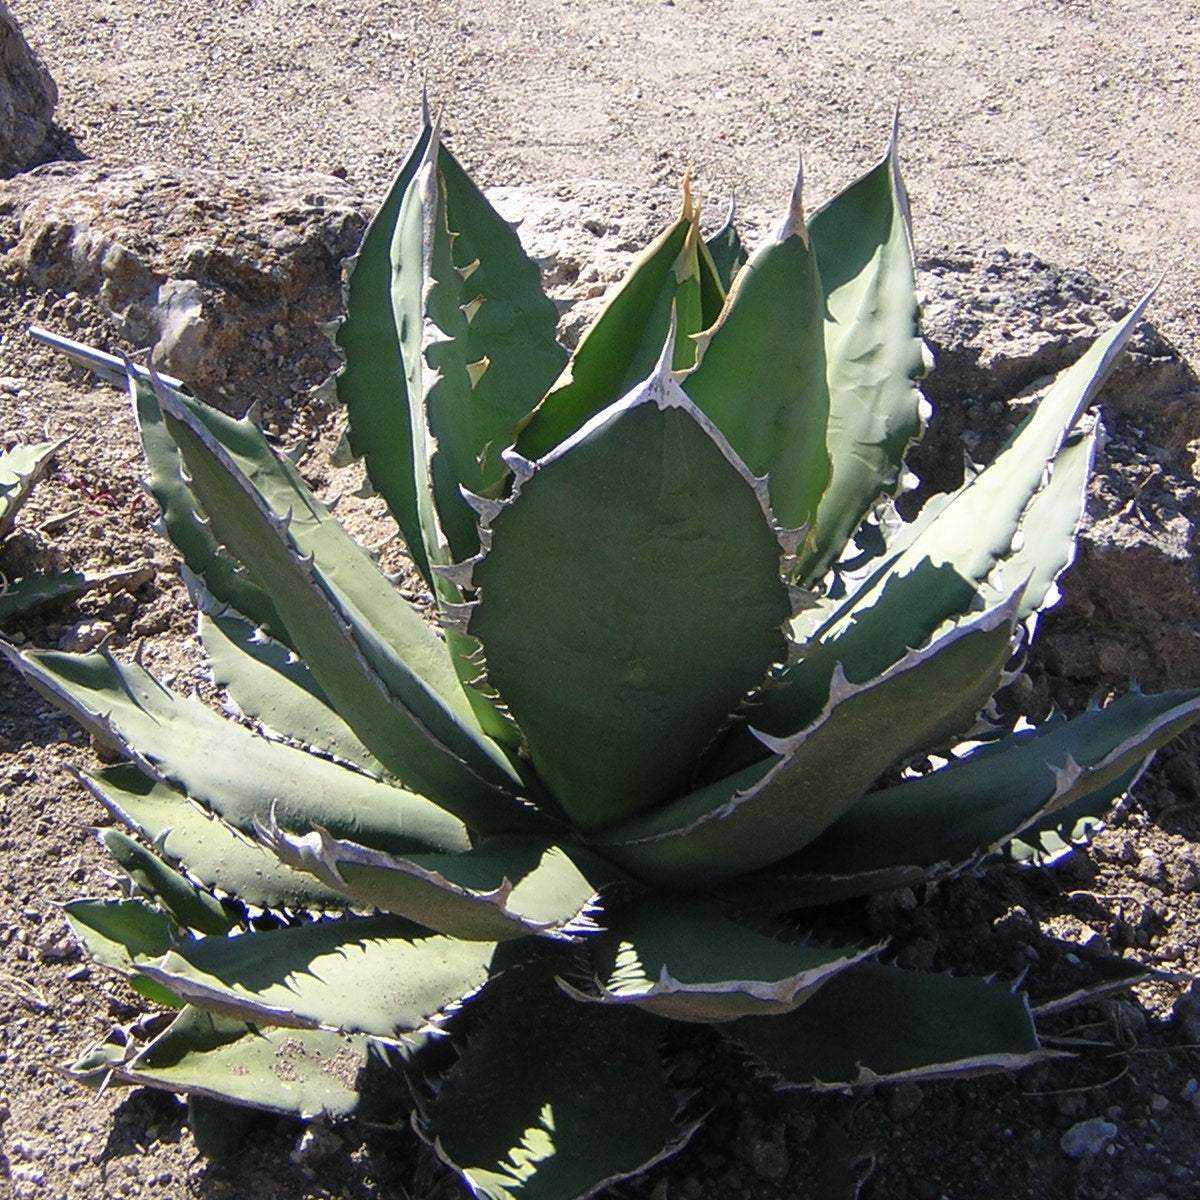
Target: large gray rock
<point>224,283</point>
<point>27,98</point>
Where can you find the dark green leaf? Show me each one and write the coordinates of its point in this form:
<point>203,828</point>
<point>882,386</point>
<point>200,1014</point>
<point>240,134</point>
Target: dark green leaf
<point>214,852</point>
<point>863,247</point>
<point>761,374</point>
<point>553,1100</point>
<point>372,384</point>
<point>630,599</point>
<point>772,809</point>
<point>184,522</point>
<point>190,906</point>
<point>873,1023</point>
<point>380,976</point>
<point>619,350</point>
<point>227,768</point>
<point>689,961</point>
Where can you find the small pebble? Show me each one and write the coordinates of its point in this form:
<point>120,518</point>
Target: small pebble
<point>1088,1139</point>
<point>315,1144</point>
<point>1150,869</point>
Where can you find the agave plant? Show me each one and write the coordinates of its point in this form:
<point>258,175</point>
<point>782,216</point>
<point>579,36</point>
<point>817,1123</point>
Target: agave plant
<point>693,673</point>
<point>21,467</point>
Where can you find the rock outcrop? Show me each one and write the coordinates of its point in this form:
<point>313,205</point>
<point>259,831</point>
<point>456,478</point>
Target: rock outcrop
<point>225,284</point>
<point>27,98</point>
<point>999,325</point>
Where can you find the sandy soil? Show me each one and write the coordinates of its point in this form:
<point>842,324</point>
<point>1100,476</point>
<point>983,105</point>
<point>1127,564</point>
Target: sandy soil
<point>1062,127</point>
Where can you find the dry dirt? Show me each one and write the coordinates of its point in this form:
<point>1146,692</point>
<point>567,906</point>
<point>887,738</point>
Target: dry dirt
<point>1065,128</point>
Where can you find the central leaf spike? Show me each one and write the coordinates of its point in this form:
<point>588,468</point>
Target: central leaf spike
<point>630,598</point>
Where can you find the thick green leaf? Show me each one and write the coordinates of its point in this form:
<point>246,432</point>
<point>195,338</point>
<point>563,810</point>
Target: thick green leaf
<point>1037,780</point>
<point>214,853</point>
<point>553,1100</point>
<point>769,810</point>
<point>122,934</point>
<point>190,906</point>
<point>184,523</point>
<point>372,384</point>
<point>761,374</point>
<point>505,888</point>
<point>228,769</point>
<point>272,687</point>
<point>689,961</point>
<point>492,293</point>
<point>936,567</point>
<point>629,601</point>
<point>1044,545</point>
<point>427,298</point>
<point>380,976</point>
<point>726,252</point>
<point>21,468</point>
<point>873,354</point>
<point>621,347</point>
<point>873,637</point>
<point>712,290</point>
<point>384,670</point>
<point>874,1023</point>
<point>49,587</point>
<point>302,1073</point>
<point>688,314</point>
<point>512,322</point>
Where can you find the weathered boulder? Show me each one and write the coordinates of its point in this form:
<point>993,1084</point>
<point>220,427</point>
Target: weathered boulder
<point>27,97</point>
<point>998,325</point>
<point>225,283</point>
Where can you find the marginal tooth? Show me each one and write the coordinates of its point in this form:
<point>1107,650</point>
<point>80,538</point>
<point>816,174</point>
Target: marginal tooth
<point>476,370</point>
<point>1066,776</point>
<point>472,307</point>
<point>457,617</point>
<point>840,688</point>
<point>459,574</point>
<point>518,464</point>
<point>485,509</point>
